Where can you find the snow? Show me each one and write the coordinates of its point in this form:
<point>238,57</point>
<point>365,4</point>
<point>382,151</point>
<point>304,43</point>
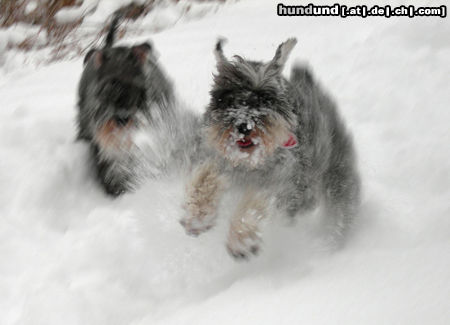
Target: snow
<point>69,14</point>
<point>30,7</point>
<point>18,33</point>
<point>71,255</point>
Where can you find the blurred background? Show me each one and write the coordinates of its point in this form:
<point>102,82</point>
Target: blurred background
<point>66,28</point>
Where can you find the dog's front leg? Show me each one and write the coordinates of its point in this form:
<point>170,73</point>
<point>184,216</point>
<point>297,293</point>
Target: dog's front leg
<point>244,237</point>
<point>202,198</point>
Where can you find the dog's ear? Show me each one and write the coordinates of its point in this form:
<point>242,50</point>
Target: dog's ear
<point>218,51</point>
<point>282,53</point>
<point>142,51</point>
<point>97,56</point>
<point>88,55</point>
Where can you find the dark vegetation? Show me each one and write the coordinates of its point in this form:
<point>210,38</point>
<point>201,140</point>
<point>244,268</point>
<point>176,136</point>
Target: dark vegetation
<point>61,37</point>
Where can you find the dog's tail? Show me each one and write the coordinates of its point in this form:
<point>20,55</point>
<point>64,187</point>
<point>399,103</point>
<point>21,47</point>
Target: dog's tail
<point>112,30</point>
<point>301,74</point>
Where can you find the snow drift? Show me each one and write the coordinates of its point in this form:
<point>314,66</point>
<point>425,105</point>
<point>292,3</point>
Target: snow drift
<point>71,255</point>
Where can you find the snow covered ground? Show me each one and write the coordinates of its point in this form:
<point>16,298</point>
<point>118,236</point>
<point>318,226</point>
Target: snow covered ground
<point>71,255</point>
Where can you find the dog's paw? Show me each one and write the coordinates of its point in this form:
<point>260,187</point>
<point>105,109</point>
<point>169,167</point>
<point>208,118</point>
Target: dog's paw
<point>198,217</point>
<point>242,245</point>
<point>196,226</point>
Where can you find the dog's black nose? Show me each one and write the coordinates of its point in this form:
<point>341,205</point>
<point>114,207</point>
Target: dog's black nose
<point>243,129</point>
<point>121,121</point>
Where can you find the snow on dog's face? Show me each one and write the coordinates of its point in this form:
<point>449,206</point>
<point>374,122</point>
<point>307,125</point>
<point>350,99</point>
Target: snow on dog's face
<point>249,116</point>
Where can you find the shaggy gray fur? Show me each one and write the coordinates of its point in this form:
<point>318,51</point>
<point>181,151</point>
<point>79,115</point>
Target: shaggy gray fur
<point>125,89</point>
<point>249,95</point>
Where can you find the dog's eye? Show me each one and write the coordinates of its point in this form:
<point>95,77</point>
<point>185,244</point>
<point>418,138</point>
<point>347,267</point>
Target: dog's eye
<point>226,100</point>
<point>242,102</point>
<point>266,100</point>
<point>223,99</point>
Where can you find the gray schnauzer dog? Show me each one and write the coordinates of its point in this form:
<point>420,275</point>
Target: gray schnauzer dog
<point>280,144</point>
<point>122,90</point>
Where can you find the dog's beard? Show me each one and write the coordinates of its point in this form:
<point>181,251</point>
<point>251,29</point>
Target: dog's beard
<point>250,151</point>
<point>116,139</point>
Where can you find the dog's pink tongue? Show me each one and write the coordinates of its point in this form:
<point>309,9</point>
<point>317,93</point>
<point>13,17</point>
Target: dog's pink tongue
<point>244,142</point>
<point>291,142</point>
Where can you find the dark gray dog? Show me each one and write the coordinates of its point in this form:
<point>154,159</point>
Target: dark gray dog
<point>121,91</point>
<point>280,144</point>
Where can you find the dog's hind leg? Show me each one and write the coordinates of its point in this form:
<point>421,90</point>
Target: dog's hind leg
<point>298,198</point>
<point>341,185</point>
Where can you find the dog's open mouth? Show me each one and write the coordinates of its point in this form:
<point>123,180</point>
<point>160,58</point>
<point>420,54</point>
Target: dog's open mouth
<point>245,143</point>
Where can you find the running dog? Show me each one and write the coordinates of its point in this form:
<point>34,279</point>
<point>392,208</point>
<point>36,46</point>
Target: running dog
<point>278,142</point>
